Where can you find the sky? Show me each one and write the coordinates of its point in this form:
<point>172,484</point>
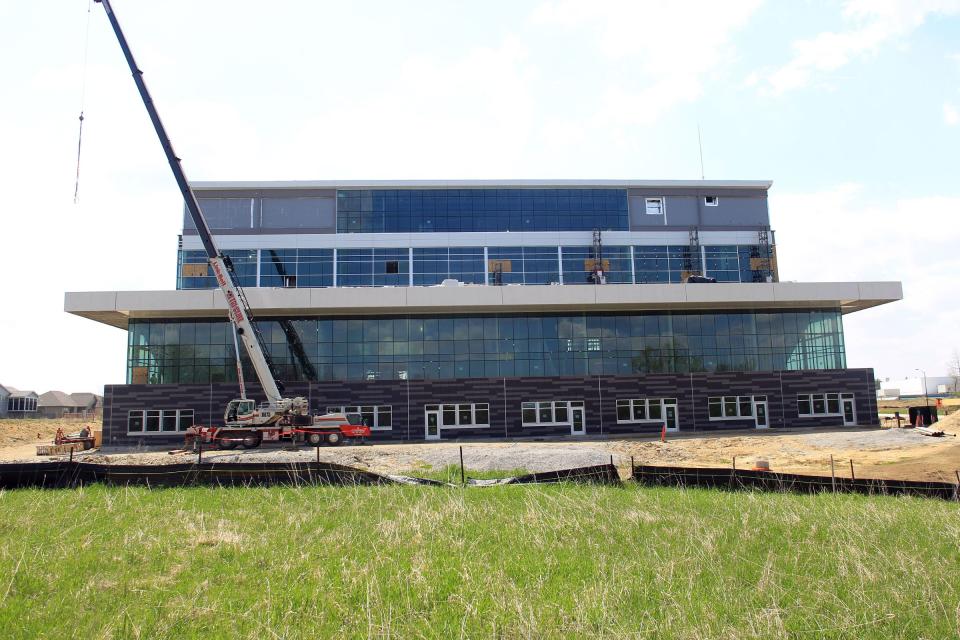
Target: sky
<point>851,108</point>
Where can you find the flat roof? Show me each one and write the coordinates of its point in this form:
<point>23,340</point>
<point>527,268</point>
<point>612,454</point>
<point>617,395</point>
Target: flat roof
<point>478,184</point>
<point>116,308</point>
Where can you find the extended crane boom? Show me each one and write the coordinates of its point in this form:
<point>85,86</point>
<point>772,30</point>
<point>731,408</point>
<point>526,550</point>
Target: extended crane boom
<point>243,422</point>
<point>238,309</point>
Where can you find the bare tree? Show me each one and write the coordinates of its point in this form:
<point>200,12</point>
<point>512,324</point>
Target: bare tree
<point>953,369</point>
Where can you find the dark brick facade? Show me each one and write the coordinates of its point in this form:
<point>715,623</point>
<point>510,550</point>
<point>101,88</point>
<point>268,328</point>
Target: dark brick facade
<point>505,396</point>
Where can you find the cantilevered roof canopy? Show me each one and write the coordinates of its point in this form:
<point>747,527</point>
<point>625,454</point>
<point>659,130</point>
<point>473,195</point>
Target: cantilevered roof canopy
<point>117,307</point>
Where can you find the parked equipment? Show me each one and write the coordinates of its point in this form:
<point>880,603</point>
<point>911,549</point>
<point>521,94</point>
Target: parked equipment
<point>244,422</point>
<point>923,416</point>
<point>64,443</point>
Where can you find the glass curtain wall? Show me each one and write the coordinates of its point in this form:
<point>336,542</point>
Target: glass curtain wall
<point>492,346</point>
<point>426,210</point>
<point>515,265</point>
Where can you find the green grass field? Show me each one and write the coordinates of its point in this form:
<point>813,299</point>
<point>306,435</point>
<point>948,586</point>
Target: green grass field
<point>558,561</point>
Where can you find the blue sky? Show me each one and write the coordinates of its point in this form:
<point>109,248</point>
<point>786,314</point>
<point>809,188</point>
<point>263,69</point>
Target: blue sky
<point>851,108</point>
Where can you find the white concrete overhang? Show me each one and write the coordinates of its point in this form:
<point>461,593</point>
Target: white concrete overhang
<point>477,184</point>
<point>115,308</point>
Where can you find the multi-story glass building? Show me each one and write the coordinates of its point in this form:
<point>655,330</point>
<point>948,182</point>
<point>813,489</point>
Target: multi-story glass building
<point>455,309</point>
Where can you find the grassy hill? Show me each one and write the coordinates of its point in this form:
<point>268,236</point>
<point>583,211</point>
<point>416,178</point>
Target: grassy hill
<point>511,562</point>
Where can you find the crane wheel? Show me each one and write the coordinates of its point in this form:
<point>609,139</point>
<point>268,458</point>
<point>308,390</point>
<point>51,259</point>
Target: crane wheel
<point>227,443</point>
<point>251,441</point>
<point>314,438</point>
<point>334,438</point>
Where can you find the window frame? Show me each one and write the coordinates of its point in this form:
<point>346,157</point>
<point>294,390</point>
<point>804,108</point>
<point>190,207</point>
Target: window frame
<point>737,402</point>
<point>642,406</point>
<point>661,205</point>
<point>457,410</point>
<point>379,411</point>
<point>827,398</point>
<point>707,201</point>
<point>552,406</point>
<point>179,417</point>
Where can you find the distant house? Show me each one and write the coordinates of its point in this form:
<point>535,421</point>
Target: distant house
<point>21,404</point>
<point>4,395</point>
<point>56,404</point>
<point>91,405</point>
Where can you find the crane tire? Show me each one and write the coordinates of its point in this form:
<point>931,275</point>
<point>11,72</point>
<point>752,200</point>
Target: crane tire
<point>251,441</point>
<point>334,438</point>
<point>226,443</point>
<point>314,439</point>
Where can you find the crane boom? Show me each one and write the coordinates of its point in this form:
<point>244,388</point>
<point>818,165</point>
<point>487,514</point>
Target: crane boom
<point>238,309</point>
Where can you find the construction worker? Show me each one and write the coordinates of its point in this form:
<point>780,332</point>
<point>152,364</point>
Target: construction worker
<point>85,432</point>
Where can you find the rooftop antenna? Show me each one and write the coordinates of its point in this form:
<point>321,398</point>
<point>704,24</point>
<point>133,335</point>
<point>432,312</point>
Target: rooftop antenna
<point>700,143</point>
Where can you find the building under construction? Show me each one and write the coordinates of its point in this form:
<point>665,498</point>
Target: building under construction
<point>494,309</point>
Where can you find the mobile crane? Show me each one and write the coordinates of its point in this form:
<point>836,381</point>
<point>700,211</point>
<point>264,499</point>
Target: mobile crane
<point>244,423</point>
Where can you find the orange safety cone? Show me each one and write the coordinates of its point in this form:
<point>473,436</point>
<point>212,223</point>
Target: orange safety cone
<point>663,433</point>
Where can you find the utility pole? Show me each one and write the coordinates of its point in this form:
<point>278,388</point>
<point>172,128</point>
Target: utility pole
<point>926,398</point>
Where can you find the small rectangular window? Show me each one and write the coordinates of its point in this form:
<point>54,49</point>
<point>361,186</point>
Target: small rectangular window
<point>654,206</point>
<point>623,411</point>
<point>833,403</point>
<point>529,413</point>
<point>153,421</point>
<point>168,421</point>
<point>746,408</point>
<point>392,266</point>
<point>730,406</point>
<point>545,412</point>
<point>639,409</point>
<point>711,201</point>
<point>803,405</point>
<point>653,412</point>
<point>135,421</point>
<point>449,415</point>
<point>482,415</point>
<point>466,414</point>
<point>716,407</point>
<point>560,412</point>
<point>819,404</point>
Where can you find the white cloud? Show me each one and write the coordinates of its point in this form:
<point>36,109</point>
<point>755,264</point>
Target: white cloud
<point>841,234</point>
<point>873,23</point>
<point>670,54</point>
<point>950,114</point>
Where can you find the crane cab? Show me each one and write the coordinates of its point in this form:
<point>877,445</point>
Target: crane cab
<point>240,411</point>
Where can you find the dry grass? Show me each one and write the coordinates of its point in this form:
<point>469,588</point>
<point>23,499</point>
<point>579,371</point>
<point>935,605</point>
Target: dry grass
<point>511,562</point>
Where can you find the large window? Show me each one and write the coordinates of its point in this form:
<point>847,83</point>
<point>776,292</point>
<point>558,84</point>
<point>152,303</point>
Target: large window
<point>579,264</point>
<point>289,267</point>
<point>426,210</point>
<point>464,415</point>
<point>643,409</point>
<point>159,421</point>
<point>22,404</point>
<point>730,407</point>
<point>194,272</point>
<point>490,346</point>
<point>434,265</point>
<point>548,412</point>
<point>523,265</point>
<point>373,267</point>
<point>378,418</point>
<point>820,404</point>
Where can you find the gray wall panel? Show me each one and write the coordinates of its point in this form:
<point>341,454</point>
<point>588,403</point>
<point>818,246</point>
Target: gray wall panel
<point>690,210</point>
